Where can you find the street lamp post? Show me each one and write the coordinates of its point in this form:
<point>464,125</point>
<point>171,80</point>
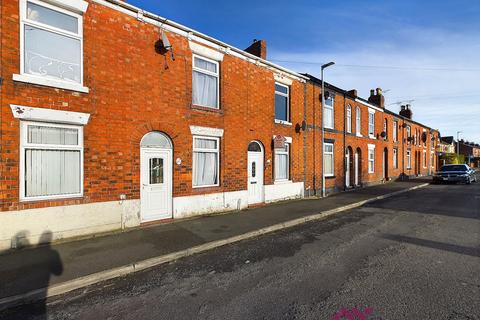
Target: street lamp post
<point>458,143</point>
<point>323,124</point>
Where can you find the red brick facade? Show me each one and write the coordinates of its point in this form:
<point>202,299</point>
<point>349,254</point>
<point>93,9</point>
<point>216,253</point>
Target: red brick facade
<point>133,90</point>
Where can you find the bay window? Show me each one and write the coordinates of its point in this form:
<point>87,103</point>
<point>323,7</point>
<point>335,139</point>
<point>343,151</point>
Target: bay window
<point>282,163</point>
<point>205,87</point>
<point>206,161</point>
<point>51,161</point>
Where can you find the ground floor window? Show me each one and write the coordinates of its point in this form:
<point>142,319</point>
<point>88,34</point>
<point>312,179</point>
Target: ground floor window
<point>424,158</point>
<point>395,158</point>
<point>432,159</point>
<point>409,159</point>
<point>371,159</point>
<point>206,161</point>
<point>329,160</point>
<point>282,163</point>
<point>51,161</point>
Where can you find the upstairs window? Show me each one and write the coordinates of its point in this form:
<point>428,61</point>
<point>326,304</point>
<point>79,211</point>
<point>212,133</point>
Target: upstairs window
<point>349,119</point>
<point>328,113</point>
<point>371,123</point>
<point>358,124</point>
<point>409,133</point>
<point>395,131</point>
<point>282,102</point>
<point>385,128</point>
<point>205,85</point>
<point>51,42</point>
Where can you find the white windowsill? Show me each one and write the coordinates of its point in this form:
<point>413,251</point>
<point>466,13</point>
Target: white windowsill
<point>283,122</point>
<point>28,78</point>
<point>282,181</point>
<point>55,197</point>
<point>371,136</point>
<point>359,135</point>
<point>206,186</point>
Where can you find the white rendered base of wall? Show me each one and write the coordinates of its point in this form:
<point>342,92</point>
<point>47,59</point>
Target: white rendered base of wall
<point>284,191</point>
<point>25,227</point>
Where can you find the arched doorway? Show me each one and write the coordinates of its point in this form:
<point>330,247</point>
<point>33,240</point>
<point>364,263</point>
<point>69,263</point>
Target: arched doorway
<point>385,164</point>
<point>349,166</point>
<point>156,153</point>
<point>358,167</point>
<point>255,172</point>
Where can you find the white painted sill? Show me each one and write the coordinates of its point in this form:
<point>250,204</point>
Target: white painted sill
<point>28,78</point>
<point>359,135</point>
<point>283,122</point>
<point>54,197</point>
<point>282,182</point>
<point>372,137</point>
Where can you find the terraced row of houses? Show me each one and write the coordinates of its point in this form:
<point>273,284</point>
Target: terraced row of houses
<point>113,117</point>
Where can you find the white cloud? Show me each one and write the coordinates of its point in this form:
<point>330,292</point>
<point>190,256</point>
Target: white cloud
<point>445,99</point>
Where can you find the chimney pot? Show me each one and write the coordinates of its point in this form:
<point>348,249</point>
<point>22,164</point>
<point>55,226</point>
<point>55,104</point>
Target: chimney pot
<point>379,91</point>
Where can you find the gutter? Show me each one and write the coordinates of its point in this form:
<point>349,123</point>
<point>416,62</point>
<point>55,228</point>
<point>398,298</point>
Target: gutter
<point>141,13</point>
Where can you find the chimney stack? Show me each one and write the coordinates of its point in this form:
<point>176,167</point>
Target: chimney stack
<point>406,112</point>
<point>353,93</point>
<point>376,97</point>
<point>258,48</point>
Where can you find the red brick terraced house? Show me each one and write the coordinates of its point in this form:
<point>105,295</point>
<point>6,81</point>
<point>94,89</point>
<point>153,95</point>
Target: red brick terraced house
<point>113,117</point>
<point>364,142</point>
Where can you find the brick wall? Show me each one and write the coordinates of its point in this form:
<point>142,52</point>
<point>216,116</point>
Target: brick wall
<point>132,92</point>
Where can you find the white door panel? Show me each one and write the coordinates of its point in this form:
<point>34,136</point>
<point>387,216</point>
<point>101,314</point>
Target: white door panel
<point>156,184</point>
<point>255,177</point>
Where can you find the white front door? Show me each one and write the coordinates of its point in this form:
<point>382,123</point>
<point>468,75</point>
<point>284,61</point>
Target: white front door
<point>357,171</point>
<point>347,167</point>
<point>255,177</point>
<point>156,184</point>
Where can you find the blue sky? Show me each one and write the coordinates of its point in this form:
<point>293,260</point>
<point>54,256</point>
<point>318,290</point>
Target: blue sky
<point>431,48</point>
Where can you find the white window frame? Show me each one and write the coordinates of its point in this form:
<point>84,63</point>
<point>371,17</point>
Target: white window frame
<point>371,124</point>
<point>333,158</point>
<point>409,134</point>
<point>349,119</point>
<point>332,107</point>
<point>358,124</point>
<point>215,74</point>
<point>46,80</point>
<point>385,128</point>
<point>371,152</point>
<point>287,95</point>
<point>409,159</point>
<point>425,162</point>
<point>24,145</point>
<point>395,131</point>
<point>216,150</point>
<point>432,159</point>
<point>395,158</point>
<point>281,151</point>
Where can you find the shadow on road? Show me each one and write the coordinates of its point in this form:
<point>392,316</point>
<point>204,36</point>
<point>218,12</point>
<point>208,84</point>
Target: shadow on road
<point>469,251</point>
<point>47,265</point>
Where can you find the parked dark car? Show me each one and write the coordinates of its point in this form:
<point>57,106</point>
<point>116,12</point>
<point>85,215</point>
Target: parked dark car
<point>455,173</point>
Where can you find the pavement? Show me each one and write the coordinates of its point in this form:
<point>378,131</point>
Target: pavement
<point>30,270</point>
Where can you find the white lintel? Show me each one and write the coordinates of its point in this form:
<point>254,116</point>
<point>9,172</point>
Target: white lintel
<point>49,115</point>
